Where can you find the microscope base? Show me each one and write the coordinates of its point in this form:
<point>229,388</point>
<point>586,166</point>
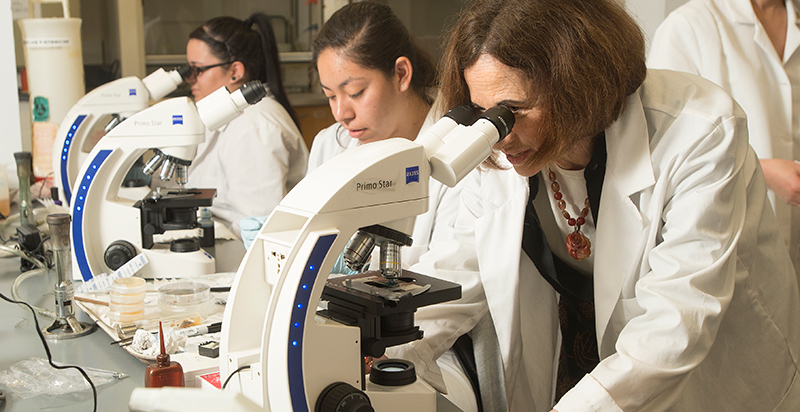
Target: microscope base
<point>164,263</point>
<point>418,396</point>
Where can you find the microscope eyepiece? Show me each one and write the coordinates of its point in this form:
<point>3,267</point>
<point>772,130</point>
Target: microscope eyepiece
<point>254,91</point>
<point>184,71</point>
<point>464,114</point>
<point>502,118</point>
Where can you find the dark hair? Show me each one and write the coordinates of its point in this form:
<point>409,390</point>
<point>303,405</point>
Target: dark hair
<point>372,36</point>
<point>581,58</point>
<point>231,39</point>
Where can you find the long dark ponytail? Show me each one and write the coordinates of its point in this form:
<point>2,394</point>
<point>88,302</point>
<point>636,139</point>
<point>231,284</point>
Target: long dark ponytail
<point>231,39</point>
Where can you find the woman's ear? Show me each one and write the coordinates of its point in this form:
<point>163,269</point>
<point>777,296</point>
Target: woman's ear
<point>237,73</point>
<point>403,72</point>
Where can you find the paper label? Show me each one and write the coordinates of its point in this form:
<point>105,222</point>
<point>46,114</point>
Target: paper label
<point>103,282</point>
<point>44,136</point>
<point>48,43</point>
<point>213,379</point>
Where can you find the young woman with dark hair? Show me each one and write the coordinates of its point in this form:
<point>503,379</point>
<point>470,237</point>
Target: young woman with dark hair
<point>379,84</point>
<point>259,156</point>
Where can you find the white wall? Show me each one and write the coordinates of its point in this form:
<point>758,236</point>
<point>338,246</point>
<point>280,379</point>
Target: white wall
<point>650,13</point>
<point>10,136</point>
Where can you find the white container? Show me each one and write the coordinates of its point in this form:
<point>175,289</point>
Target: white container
<point>127,299</point>
<point>54,66</point>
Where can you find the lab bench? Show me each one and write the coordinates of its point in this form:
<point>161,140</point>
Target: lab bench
<point>19,341</point>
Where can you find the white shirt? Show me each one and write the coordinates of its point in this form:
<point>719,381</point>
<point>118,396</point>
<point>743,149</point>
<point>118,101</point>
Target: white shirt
<point>253,162</point>
<point>723,41</point>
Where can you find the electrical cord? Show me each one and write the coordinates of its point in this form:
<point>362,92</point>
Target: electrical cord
<point>15,291</point>
<point>41,268</point>
<point>241,368</point>
<point>16,252</point>
<point>50,176</point>
<point>47,350</point>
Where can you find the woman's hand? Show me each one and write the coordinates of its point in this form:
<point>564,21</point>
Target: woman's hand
<point>783,177</point>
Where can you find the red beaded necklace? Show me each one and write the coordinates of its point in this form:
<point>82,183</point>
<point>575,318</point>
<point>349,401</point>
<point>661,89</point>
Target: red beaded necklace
<point>578,245</point>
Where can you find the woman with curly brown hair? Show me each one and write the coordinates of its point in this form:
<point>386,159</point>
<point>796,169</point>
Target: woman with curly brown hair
<point>618,252</point>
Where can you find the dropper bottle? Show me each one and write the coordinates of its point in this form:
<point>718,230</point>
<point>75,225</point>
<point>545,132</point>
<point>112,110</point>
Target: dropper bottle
<point>164,372</point>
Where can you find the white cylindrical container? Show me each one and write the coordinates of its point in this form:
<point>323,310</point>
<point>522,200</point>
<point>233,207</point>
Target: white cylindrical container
<point>54,65</point>
<point>127,299</point>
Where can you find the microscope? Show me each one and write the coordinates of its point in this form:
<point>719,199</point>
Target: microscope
<point>110,227</point>
<point>284,353</point>
<point>112,102</point>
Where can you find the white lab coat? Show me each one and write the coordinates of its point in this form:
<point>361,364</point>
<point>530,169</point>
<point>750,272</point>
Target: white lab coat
<point>696,304</point>
<point>433,226</point>
<point>253,161</point>
<point>723,41</point>
<point>437,222</point>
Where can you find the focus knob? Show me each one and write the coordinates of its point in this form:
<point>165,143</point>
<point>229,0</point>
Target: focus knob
<point>341,397</point>
<point>118,253</point>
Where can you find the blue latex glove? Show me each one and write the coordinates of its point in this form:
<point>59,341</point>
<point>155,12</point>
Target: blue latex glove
<point>250,226</point>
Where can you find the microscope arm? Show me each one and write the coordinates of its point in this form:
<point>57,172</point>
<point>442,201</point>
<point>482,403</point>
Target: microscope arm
<point>284,272</point>
<point>121,98</point>
<point>103,215</point>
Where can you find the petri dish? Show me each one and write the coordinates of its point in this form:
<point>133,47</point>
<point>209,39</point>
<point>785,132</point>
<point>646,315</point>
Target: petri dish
<point>185,297</point>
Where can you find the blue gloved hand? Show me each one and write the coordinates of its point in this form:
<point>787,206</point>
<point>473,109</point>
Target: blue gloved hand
<point>250,226</point>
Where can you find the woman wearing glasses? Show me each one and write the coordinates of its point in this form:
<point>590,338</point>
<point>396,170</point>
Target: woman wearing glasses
<point>259,156</point>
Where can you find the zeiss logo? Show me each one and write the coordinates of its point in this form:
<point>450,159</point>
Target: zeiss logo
<point>131,92</point>
<point>412,174</point>
<point>177,119</point>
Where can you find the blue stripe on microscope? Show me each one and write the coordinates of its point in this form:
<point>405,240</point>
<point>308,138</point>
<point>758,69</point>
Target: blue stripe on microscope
<point>78,209</point>
<point>65,185</point>
<point>296,328</point>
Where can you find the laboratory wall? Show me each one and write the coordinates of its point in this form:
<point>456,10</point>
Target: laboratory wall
<point>9,102</point>
<point>164,26</point>
<point>650,13</point>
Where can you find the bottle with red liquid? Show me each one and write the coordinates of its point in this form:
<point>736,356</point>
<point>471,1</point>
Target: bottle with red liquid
<point>164,372</point>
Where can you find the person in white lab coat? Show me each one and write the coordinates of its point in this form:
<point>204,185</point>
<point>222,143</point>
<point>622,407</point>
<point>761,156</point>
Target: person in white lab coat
<point>749,48</point>
<point>258,157</point>
<point>619,250</point>
<point>379,85</point>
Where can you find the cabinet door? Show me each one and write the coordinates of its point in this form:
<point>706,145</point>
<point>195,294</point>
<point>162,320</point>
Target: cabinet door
<point>312,120</point>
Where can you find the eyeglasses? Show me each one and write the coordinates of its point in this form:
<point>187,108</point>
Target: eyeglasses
<point>196,70</point>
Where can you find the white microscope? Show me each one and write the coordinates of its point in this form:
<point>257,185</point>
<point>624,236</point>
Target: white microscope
<point>116,101</point>
<point>109,228</point>
<point>287,356</point>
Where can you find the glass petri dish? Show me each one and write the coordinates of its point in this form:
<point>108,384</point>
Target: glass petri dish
<point>185,297</point>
